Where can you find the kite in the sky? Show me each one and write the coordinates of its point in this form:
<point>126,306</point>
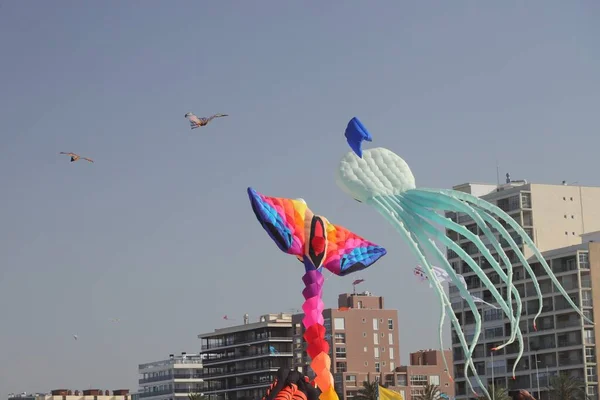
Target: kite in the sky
<point>384,181</point>
<point>197,122</point>
<point>75,157</point>
<point>442,276</point>
<point>355,134</point>
<point>227,318</point>
<point>317,244</point>
<point>75,337</point>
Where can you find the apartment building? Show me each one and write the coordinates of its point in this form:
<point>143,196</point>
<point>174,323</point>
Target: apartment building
<point>363,338</point>
<point>426,367</point>
<point>561,220</point>
<point>240,361</point>
<point>171,379</point>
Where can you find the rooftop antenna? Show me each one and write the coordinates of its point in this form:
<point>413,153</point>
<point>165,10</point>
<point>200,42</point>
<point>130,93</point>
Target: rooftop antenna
<point>497,173</point>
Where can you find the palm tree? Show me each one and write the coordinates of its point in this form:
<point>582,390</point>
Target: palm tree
<point>368,392</point>
<point>497,393</point>
<point>432,392</point>
<point>564,387</point>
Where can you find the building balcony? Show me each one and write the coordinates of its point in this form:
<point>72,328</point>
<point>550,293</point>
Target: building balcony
<point>238,387</point>
<point>144,395</point>
<point>241,357</point>
<point>187,390</point>
<point>155,379</point>
<point>195,376</point>
<point>206,348</point>
<point>238,371</point>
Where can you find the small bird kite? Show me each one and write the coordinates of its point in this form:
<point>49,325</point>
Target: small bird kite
<point>75,157</point>
<point>196,122</point>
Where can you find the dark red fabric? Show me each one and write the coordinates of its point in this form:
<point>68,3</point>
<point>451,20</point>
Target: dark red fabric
<point>315,348</point>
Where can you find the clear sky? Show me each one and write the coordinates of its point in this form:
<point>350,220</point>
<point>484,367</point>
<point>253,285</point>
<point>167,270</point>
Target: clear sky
<point>159,231</point>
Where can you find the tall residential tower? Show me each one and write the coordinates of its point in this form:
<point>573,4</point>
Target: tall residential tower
<point>556,217</point>
<point>240,361</point>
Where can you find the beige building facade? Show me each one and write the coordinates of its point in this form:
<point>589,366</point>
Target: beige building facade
<point>561,220</point>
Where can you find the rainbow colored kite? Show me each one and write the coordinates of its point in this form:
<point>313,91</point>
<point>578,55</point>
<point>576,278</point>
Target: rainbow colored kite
<point>317,244</point>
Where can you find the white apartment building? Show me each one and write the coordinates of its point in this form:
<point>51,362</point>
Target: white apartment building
<point>240,361</point>
<point>171,379</point>
<point>557,218</point>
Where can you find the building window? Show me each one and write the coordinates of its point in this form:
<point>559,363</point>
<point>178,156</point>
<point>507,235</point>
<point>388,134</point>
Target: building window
<point>491,333</point>
<point>418,380</point>
<point>375,324</point>
<point>375,338</point>
<point>338,324</point>
<point>390,324</point>
<point>390,338</point>
<point>391,353</point>
<point>590,355</point>
<point>351,378</point>
<point>434,380</point>
<point>364,320</point>
<point>584,260</point>
<point>360,304</point>
<point>340,367</point>
<point>376,350</point>
<point>365,349</point>
<point>366,363</point>
<point>340,352</point>
<point>526,200</point>
<point>392,366</point>
<point>340,338</point>
<point>383,349</point>
<point>591,374</point>
<point>364,334</point>
<point>377,368</point>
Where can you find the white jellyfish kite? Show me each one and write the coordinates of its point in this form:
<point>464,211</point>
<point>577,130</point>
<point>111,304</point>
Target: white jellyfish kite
<point>383,180</point>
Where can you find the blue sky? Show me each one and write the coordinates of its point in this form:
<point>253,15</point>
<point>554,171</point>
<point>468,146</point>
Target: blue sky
<point>159,232</point>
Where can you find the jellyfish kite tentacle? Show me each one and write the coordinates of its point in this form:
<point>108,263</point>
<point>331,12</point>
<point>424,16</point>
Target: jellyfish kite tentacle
<point>514,319</point>
<point>419,237</point>
<point>420,230</point>
<point>391,214</point>
<point>481,217</point>
<point>432,201</point>
<point>423,213</point>
<point>492,209</point>
<point>416,209</point>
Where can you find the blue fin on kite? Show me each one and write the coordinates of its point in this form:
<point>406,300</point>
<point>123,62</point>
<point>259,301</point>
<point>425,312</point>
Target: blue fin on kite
<point>355,134</point>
